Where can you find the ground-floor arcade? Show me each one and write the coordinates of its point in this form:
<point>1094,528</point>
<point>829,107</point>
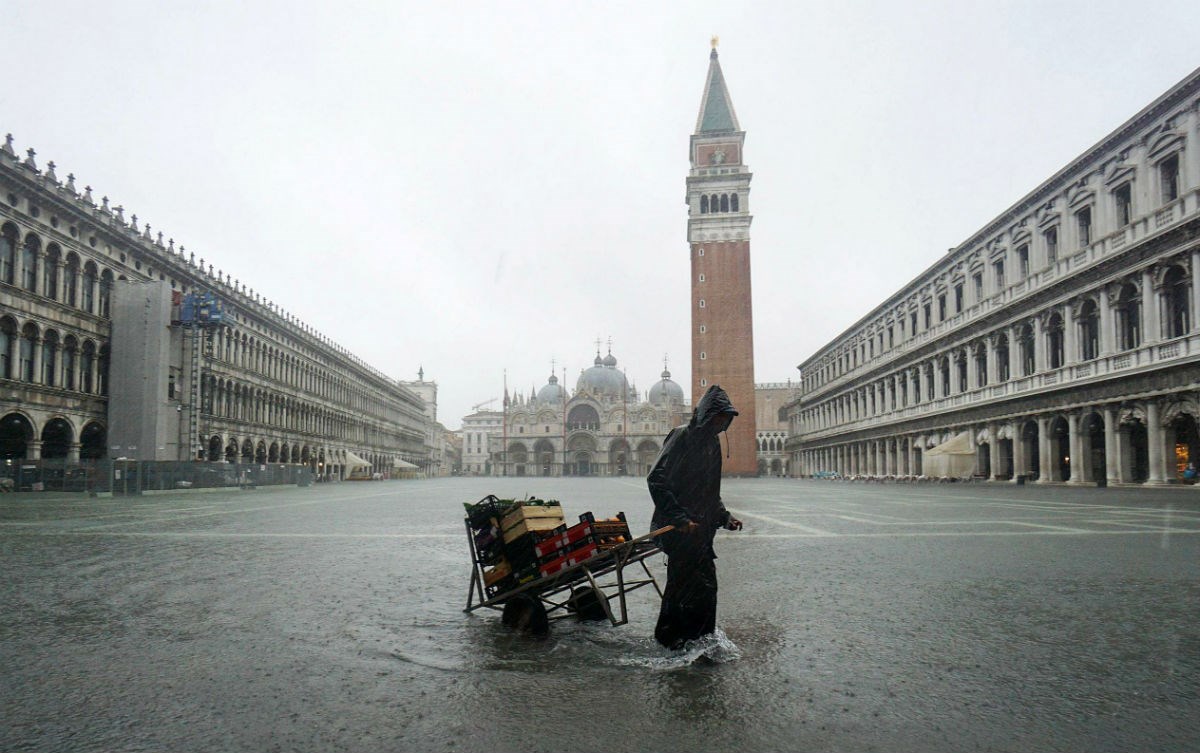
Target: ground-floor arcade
<point>1143,439</point>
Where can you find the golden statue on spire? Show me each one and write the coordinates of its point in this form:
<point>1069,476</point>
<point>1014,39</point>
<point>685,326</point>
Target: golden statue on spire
<point>715,41</point>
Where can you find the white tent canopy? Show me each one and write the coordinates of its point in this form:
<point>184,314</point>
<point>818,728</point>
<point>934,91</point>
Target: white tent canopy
<point>951,459</point>
<point>354,462</point>
<point>403,465</point>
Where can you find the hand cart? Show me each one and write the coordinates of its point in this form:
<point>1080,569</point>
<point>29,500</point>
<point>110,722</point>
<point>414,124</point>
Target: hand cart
<point>603,573</point>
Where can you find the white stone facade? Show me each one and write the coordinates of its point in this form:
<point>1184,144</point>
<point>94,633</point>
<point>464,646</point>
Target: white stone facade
<point>1059,343</point>
<point>268,388</point>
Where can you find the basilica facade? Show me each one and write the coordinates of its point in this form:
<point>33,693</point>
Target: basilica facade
<point>1059,343</point>
<point>602,428</point>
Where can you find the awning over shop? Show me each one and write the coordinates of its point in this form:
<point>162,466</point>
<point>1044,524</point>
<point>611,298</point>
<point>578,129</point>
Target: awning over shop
<point>403,465</point>
<point>952,459</point>
<point>354,462</point>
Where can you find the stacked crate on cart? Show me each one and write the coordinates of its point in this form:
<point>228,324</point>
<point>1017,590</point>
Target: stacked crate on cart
<point>524,526</point>
<point>570,546</point>
<point>504,533</point>
<point>483,525</point>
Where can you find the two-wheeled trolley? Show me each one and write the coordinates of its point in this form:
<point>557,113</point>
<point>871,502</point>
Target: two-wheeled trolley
<point>523,550</point>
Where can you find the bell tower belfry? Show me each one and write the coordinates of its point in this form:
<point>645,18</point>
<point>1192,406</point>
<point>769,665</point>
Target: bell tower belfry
<point>718,198</point>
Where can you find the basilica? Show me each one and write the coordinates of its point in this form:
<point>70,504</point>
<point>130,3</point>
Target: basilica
<point>603,428</point>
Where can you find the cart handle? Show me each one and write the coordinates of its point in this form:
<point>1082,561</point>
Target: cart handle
<point>660,531</point>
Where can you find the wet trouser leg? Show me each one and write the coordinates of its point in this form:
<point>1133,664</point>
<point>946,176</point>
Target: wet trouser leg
<point>689,606</point>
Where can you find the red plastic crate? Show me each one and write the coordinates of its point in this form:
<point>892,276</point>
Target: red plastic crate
<point>573,557</point>
<point>549,546</point>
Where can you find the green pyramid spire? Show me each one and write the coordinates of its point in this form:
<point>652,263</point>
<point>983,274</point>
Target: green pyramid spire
<point>716,108</point>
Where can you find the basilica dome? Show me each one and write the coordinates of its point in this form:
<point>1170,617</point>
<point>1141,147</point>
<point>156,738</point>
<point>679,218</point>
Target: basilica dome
<point>603,379</point>
<point>553,393</point>
<point>666,391</point>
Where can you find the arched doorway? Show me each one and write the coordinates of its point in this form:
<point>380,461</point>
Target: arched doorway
<point>15,434</point>
<point>518,457</point>
<point>647,453</point>
<point>260,452</point>
<point>1091,430</point>
<point>214,448</point>
<point>582,462</point>
<point>273,453</point>
<point>983,458</point>
<point>92,439</point>
<point>1032,449</point>
<point>1133,435</point>
<point>1183,442</point>
<point>56,439</point>
<point>1060,449</point>
<point>544,454</point>
<point>247,451</point>
<point>618,458</point>
<point>231,450</point>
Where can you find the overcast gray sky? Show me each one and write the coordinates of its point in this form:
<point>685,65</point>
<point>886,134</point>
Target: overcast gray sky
<point>475,187</point>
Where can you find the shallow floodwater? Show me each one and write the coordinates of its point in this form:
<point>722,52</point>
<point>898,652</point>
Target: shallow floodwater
<point>331,618</point>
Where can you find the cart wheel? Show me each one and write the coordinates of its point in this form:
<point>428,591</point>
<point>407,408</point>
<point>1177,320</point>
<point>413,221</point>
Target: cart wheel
<point>586,604</point>
<point>526,614</point>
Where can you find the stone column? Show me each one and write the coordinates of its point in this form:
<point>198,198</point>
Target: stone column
<point>1155,440</point>
<point>34,449</point>
<point>1150,328</point>
<point>1044,472</point>
<point>1014,354</point>
<point>73,452</point>
<point>1111,456</point>
<point>1194,323</point>
<point>921,388</point>
<point>994,451</point>
<point>1039,346</point>
<point>992,364</point>
<point>911,460</point>
<point>60,286</point>
<point>1018,450</point>
<point>1070,336</point>
<point>37,360</point>
<point>1076,448</point>
<point>972,370</point>
<point>1107,334</point>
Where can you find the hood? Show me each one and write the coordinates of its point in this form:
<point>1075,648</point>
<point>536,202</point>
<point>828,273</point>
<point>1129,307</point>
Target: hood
<point>714,402</point>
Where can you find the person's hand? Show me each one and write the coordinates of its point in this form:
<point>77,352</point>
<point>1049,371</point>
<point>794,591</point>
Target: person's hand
<point>691,528</point>
<point>734,524</point>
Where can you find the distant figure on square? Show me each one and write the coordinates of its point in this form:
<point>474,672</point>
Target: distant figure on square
<point>685,485</point>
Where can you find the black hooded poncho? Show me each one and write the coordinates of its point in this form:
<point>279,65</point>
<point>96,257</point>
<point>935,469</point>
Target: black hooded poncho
<point>685,485</point>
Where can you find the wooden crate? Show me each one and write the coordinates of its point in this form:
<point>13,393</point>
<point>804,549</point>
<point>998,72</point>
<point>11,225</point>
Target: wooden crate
<point>501,570</point>
<point>531,519</point>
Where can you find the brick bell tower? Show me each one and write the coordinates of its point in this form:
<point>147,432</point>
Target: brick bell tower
<point>718,197</point>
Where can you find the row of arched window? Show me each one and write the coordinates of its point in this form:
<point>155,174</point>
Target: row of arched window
<point>234,400</point>
<point>716,203</point>
<point>1079,331</point>
<point>35,356</point>
<point>43,269</point>
<point>247,353</point>
<point>47,272</point>
<point>770,444</point>
<point>1090,213</point>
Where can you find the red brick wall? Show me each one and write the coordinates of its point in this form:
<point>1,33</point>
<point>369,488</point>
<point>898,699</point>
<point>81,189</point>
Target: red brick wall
<point>727,342</point>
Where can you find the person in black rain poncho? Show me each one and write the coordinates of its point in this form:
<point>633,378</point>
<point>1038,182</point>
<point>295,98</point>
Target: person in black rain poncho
<point>685,485</point>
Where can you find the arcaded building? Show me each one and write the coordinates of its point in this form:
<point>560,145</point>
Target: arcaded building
<point>104,354</point>
<point>1058,343</point>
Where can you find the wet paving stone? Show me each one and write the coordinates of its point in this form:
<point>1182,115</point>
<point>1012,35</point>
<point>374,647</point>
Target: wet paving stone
<point>858,617</point>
